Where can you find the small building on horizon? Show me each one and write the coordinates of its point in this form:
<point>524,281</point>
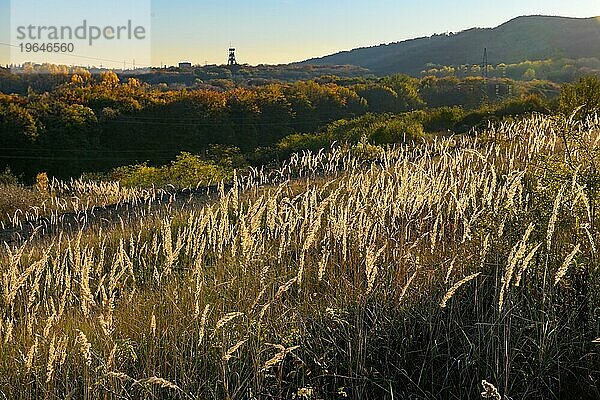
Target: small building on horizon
<point>185,65</point>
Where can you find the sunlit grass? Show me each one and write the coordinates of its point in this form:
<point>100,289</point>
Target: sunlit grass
<point>419,274</point>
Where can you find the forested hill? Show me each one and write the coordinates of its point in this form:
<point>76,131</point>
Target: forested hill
<point>520,39</point>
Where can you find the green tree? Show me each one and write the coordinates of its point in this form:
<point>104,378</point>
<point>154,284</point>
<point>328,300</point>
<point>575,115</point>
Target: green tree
<point>529,75</point>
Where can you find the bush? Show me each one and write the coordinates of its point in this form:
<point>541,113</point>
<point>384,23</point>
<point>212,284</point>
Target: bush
<point>521,106</point>
<point>581,98</point>
<point>228,157</point>
<point>400,129</point>
<point>443,119</point>
<point>372,129</point>
<point>474,120</point>
<point>187,170</point>
<point>297,142</point>
<point>8,178</point>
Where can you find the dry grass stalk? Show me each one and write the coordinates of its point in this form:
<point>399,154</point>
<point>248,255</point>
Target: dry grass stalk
<point>279,357</point>
<point>229,354</point>
<point>490,391</point>
<point>155,380</point>
<point>454,288</point>
<point>119,375</point>
<point>525,264</point>
<point>553,218</point>
<point>85,348</point>
<point>227,318</point>
<point>371,266</point>
<point>285,287</point>
<point>516,254</point>
<point>405,288</point>
<point>153,325</point>
<point>203,324</point>
<point>29,360</point>
<point>562,271</point>
<point>51,360</point>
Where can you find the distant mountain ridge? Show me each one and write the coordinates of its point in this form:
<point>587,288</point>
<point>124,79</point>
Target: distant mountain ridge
<point>520,39</point>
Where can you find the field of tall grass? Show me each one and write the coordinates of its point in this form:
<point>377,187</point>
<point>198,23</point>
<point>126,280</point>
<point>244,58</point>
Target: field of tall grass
<point>459,268</point>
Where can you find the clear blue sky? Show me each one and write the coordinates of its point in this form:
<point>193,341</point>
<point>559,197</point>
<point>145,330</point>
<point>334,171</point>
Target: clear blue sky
<point>280,31</point>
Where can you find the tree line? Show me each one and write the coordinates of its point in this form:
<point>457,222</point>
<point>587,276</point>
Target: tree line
<point>97,123</point>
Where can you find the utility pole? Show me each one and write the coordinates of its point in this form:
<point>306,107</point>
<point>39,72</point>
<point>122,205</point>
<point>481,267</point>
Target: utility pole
<point>485,65</point>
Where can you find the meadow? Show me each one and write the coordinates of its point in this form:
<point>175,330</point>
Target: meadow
<point>453,268</point>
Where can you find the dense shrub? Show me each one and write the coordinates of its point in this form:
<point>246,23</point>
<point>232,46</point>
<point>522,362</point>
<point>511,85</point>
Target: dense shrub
<point>375,129</point>
<point>581,97</point>
<point>186,170</point>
